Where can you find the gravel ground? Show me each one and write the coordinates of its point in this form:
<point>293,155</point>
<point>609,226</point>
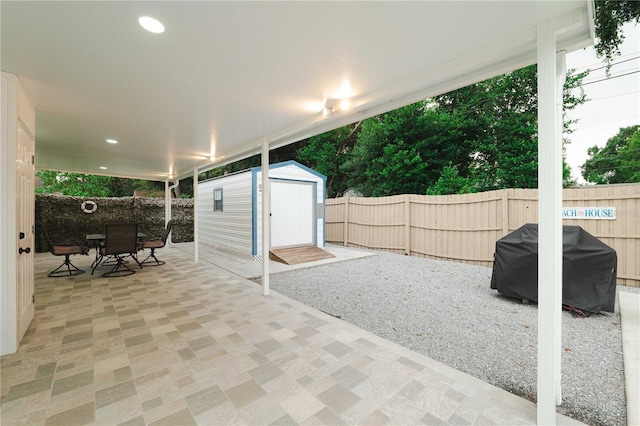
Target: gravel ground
<point>448,312</point>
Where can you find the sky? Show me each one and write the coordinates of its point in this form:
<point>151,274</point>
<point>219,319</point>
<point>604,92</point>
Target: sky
<point>614,101</point>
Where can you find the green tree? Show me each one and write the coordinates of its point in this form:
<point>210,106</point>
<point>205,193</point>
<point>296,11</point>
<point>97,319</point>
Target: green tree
<point>450,182</point>
<point>147,185</point>
<point>616,162</point>
<point>73,184</point>
<point>610,15</point>
<point>505,148</point>
<point>81,185</point>
<point>403,151</point>
<point>477,138</point>
<point>630,158</point>
<point>328,153</point>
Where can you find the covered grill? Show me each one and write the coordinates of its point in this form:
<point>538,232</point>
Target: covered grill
<point>588,268</point>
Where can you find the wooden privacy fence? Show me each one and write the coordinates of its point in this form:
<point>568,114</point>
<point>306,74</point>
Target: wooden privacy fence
<point>464,228</point>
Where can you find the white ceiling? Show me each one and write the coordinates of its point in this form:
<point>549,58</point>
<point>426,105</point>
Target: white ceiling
<point>226,75</point>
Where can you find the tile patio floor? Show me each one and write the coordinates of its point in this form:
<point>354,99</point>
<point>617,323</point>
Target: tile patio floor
<point>189,343</point>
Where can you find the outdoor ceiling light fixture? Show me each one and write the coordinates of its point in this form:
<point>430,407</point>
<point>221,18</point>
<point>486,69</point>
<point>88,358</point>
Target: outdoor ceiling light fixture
<point>335,105</point>
<point>103,168</point>
<point>112,141</point>
<point>151,24</point>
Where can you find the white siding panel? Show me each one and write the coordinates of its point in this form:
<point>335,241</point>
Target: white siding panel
<point>232,226</point>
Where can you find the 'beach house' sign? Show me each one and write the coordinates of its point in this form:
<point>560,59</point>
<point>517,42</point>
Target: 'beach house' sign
<point>608,213</point>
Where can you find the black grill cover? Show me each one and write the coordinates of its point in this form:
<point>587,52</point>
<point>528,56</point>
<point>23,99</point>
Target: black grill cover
<point>588,268</point>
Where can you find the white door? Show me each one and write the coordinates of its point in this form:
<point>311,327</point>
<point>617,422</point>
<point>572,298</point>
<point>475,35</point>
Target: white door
<point>25,209</point>
<point>292,213</point>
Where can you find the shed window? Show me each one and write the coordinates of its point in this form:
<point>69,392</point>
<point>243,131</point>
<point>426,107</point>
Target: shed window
<point>217,199</point>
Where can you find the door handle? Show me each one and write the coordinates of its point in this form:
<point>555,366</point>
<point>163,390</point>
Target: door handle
<point>27,250</point>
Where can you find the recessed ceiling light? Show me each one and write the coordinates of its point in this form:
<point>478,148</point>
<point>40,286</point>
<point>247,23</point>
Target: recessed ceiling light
<point>151,24</point>
<point>112,141</point>
<point>103,168</point>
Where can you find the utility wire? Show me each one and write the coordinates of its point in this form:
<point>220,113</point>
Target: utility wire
<point>610,78</point>
<point>617,63</point>
<point>604,66</point>
<point>606,121</point>
<point>595,77</point>
<point>613,96</point>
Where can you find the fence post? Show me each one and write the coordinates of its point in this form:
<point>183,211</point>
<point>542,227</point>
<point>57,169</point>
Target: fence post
<point>407,224</point>
<point>505,212</point>
<point>345,228</point>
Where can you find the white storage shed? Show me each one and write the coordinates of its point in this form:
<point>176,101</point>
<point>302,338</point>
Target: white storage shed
<point>230,208</point>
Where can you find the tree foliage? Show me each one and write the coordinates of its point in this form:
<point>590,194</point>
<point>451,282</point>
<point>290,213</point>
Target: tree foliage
<point>73,184</point>
<point>630,159</point>
<point>82,185</point>
<point>610,15</point>
<point>404,151</point>
<point>450,182</point>
<point>618,161</point>
<point>328,153</point>
<point>477,138</point>
<point>505,150</point>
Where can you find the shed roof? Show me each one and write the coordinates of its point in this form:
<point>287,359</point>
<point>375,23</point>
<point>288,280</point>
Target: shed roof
<point>273,166</point>
<point>225,76</point>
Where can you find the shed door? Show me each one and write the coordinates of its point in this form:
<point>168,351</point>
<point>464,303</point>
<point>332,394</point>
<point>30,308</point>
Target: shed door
<point>292,214</point>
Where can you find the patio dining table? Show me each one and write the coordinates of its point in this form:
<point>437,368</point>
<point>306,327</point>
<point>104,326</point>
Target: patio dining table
<point>98,238</point>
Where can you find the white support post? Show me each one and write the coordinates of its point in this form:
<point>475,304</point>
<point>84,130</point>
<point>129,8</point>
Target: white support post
<point>549,228</point>
<point>195,214</point>
<point>561,76</point>
<point>266,217</point>
<point>167,202</point>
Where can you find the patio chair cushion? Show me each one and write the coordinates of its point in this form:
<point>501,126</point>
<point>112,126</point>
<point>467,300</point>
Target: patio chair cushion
<point>152,260</point>
<point>66,268</point>
<point>66,250</point>
<point>153,244</point>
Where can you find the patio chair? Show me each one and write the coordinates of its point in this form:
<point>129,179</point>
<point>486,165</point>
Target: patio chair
<point>66,250</point>
<point>111,259</point>
<point>152,260</point>
<point>121,240</point>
